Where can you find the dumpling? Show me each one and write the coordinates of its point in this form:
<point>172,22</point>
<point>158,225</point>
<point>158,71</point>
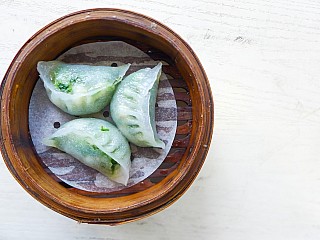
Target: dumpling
<point>132,107</point>
<point>96,143</point>
<point>80,89</point>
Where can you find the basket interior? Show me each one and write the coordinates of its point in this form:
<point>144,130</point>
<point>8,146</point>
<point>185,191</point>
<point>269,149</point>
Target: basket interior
<point>184,124</point>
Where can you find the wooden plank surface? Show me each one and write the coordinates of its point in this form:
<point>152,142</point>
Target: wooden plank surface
<point>261,177</point>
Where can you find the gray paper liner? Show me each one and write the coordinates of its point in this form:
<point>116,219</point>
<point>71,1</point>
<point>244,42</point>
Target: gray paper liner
<point>43,114</point>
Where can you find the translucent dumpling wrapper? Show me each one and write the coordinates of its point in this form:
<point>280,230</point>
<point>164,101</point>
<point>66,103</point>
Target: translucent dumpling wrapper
<point>80,89</point>
<point>97,144</point>
<point>132,107</point>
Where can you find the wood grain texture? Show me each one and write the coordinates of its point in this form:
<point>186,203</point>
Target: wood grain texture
<point>261,177</point>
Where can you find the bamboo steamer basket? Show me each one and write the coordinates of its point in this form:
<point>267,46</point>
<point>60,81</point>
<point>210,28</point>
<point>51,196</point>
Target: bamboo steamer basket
<point>195,116</point>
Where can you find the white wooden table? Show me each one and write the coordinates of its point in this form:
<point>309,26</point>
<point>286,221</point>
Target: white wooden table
<point>261,179</point>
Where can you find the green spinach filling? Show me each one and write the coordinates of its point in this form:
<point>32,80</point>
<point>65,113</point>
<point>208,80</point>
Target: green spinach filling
<point>65,86</point>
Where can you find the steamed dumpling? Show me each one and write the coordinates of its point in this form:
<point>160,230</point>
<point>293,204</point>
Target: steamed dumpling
<point>96,143</point>
<point>132,107</point>
<point>80,89</point>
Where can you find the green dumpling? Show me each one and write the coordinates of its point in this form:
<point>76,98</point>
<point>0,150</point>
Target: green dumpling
<point>80,89</point>
<point>97,144</point>
<point>132,107</point>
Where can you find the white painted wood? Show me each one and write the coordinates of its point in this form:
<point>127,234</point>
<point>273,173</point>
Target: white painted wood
<point>261,179</point>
